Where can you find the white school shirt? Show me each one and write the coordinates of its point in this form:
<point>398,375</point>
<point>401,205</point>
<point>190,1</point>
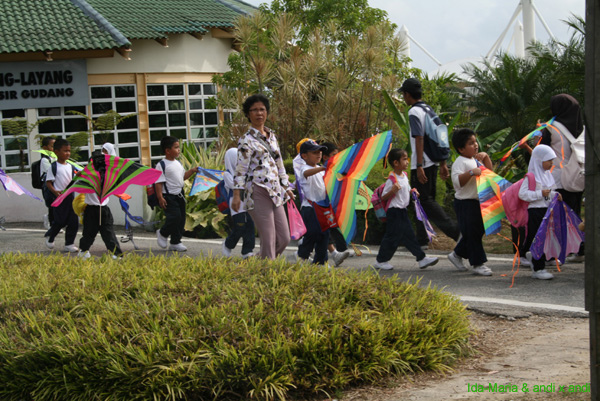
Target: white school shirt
<point>535,198</point>
<point>172,177</point>
<point>416,120</point>
<point>64,175</point>
<point>93,200</point>
<point>313,187</point>
<point>45,165</point>
<point>469,190</point>
<point>401,199</point>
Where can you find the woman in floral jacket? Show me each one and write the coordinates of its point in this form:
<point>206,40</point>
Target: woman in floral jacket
<point>261,179</point>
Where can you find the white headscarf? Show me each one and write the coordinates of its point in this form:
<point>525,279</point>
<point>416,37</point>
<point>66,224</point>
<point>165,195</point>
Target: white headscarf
<point>540,154</point>
<point>230,164</point>
<point>110,149</point>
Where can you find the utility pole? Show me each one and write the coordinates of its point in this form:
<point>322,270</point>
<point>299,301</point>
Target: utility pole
<point>592,183</point>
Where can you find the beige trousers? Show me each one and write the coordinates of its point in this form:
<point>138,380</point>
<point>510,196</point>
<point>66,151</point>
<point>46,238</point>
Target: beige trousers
<point>271,224</point>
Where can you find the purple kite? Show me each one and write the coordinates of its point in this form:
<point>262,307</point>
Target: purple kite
<point>558,234</point>
<point>11,185</point>
<point>421,216</point>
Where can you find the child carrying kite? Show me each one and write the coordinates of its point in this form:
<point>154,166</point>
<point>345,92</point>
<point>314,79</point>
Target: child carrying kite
<point>539,200</point>
<point>242,225</point>
<point>97,217</point>
<point>465,170</point>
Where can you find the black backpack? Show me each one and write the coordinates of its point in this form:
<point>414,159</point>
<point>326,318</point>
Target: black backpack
<point>37,179</point>
<point>151,189</point>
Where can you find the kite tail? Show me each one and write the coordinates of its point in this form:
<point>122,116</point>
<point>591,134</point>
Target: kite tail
<point>516,258</point>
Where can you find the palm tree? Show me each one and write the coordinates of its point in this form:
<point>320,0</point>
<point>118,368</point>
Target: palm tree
<point>512,93</point>
<point>566,59</point>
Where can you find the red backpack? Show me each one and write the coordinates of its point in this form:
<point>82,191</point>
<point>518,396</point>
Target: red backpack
<point>514,207</point>
<point>222,196</point>
<point>380,206</point>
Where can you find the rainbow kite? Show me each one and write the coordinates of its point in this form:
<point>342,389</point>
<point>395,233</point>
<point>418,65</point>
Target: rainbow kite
<point>534,133</point>
<point>345,171</point>
<point>489,189</point>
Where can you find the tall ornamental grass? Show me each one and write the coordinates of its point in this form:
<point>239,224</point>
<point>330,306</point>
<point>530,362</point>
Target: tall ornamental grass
<point>155,328</point>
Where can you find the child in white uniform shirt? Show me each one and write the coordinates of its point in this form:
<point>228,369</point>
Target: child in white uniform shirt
<point>310,179</point>
<point>398,228</point>
<point>169,191</point>
<point>97,217</point>
<point>56,181</point>
<point>242,225</point>
<point>465,171</point>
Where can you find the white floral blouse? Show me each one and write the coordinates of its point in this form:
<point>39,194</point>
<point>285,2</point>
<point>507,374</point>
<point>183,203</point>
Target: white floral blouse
<point>255,165</point>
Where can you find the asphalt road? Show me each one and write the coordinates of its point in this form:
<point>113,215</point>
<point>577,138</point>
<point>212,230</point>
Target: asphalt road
<point>564,295</point>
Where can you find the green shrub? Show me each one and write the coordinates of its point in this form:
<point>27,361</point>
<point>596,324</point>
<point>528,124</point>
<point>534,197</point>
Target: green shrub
<point>203,329</point>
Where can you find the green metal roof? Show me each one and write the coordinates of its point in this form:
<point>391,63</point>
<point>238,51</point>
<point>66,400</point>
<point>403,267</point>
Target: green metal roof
<point>153,19</point>
<point>40,25</point>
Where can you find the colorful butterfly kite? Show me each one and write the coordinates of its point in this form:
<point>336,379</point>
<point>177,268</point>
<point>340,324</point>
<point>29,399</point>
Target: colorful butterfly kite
<point>205,179</point>
<point>107,175</point>
<point>559,233</point>
<point>345,171</point>
<point>11,185</point>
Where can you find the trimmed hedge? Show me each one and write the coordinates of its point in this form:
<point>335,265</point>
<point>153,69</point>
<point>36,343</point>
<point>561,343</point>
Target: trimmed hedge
<point>202,329</point>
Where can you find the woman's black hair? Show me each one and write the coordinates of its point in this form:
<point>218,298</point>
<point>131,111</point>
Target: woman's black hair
<point>460,138</point>
<point>250,100</point>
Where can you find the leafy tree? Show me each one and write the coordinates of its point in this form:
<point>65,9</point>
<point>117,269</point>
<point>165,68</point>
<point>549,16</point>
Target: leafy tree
<point>20,130</point>
<point>101,130</point>
<point>350,17</point>
<point>317,91</point>
<point>566,60</point>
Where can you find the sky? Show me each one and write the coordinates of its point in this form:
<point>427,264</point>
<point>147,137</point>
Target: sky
<point>458,29</point>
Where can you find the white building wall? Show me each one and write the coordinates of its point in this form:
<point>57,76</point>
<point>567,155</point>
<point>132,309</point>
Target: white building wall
<point>183,54</point>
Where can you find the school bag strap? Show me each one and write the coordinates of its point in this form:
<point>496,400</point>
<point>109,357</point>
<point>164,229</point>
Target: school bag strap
<point>265,144</point>
<point>164,170</point>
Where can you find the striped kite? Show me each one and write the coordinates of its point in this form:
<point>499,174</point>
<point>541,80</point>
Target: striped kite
<point>345,171</point>
<point>107,175</point>
<point>489,189</point>
<point>534,133</point>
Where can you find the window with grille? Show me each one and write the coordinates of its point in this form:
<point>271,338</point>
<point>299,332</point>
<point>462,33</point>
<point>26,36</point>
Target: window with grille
<point>185,111</point>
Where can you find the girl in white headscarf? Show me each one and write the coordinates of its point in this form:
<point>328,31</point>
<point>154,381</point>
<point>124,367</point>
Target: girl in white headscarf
<point>242,225</point>
<point>109,149</point>
<point>539,199</point>
<point>97,218</point>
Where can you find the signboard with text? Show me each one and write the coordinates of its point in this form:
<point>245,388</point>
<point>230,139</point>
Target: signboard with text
<point>32,85</point>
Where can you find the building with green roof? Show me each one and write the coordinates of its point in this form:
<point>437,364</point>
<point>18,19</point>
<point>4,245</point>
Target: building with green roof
<point>155,58</point>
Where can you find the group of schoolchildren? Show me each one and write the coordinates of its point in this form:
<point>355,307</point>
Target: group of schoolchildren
<point>311,188</point>
<point>97,217</point>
